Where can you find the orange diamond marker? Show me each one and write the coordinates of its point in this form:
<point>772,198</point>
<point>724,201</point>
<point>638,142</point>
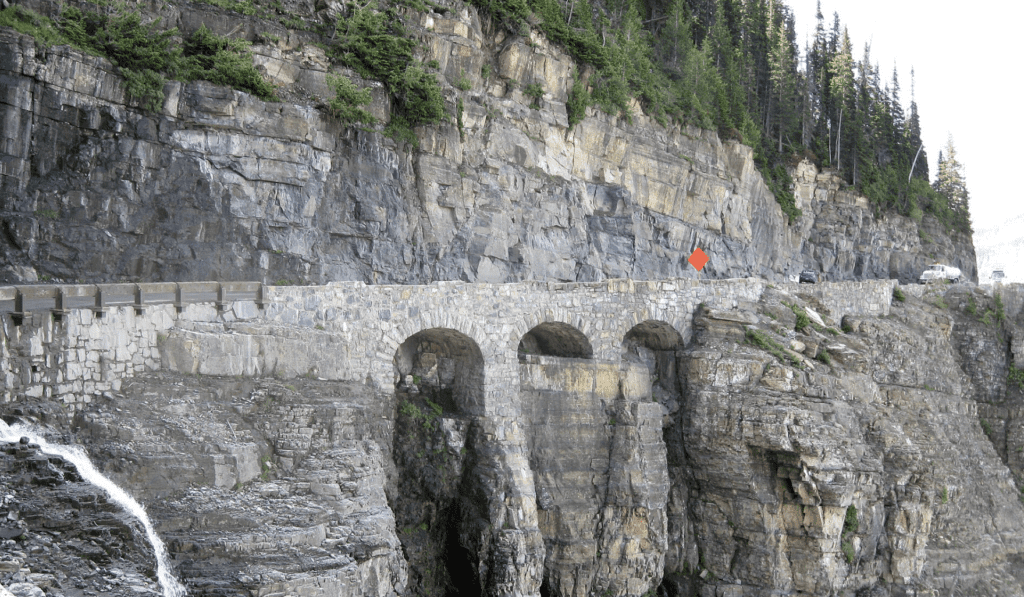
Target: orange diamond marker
<point>698,259</point>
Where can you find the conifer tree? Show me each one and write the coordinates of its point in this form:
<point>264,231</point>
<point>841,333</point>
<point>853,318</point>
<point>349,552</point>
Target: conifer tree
<point>919,161</point>
<point>951,184</point>
<point>842,90</point>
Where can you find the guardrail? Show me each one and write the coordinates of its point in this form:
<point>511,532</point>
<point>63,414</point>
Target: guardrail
<point>59,299</point>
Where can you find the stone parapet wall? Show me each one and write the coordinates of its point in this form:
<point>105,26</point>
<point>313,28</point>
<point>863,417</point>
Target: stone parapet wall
<point>1012,296</point>
<point>870,298</point>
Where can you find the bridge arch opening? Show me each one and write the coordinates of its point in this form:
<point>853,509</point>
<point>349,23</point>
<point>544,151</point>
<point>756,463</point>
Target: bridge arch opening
<point>555,339</point>
<point>657,345</point>
<point>654,344</point>
<point>440,514</point>
<point>444,365</point>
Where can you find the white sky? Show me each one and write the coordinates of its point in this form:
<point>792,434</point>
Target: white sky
<point>968,81</point>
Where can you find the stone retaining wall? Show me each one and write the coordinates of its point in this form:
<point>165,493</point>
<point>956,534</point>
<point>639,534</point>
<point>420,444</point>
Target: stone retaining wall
<point>351,331</point>
<point>869,298</point>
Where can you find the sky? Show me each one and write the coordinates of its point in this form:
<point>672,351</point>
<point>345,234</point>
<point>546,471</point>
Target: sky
<point>968,82</point>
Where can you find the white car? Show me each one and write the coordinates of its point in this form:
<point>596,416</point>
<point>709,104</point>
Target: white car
<point>940,272</point>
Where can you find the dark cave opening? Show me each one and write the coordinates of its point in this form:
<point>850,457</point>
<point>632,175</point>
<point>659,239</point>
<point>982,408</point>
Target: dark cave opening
<point>545,588</point>
<point>463,580</point>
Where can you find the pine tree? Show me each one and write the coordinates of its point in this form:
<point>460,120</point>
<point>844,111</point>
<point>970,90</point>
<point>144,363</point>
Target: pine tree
<point>782,56</point>
<point>842,91</point>
<point>951,184</point>
<point>915,146</point>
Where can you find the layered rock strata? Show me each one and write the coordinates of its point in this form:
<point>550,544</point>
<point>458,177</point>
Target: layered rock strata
<point>220,185</point>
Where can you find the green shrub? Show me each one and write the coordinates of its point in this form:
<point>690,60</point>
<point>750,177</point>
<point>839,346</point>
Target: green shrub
<point>377,46</point>
<point>579,99</point>
<point>223,61</point>
<point>972,306</point>
<point>850,523</point>
<point>850,526</point>
<point>464,83</point>
<point>510,15</point>
<point>764,342</point>
<point>897,294</point>
<point>535,92</point>
<point>41,28</point>
<point>780,183</point>
<point>987,427</point>
<point>1015,377</point>
<point>802,319</point>
<point>824,357</point>
<point>848,551</point>
<point>347,101</point>
<point>142,52</point>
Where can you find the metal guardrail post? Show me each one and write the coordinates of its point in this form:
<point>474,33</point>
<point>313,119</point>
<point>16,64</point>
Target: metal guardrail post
<point>59,309</point>
<point>261,296</point>
<point>140,305</point>
<point>179,305</point>
<point>19,308</point>
<point>101,304</point>
<point>221,303</point>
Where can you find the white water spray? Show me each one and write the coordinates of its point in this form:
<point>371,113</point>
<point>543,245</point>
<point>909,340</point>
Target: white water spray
<point>77,456</point>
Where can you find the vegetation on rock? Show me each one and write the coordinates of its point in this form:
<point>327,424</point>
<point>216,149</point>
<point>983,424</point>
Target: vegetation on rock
<point>223,61</point>
<point>145,54</point>
<point>347,101</point>
<point>377,46</point>
<point>1015,377</point>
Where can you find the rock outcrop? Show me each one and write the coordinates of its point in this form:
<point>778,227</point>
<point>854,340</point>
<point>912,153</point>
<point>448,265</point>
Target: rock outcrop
<point>220,185</point>
<point>827,462</point>
<point>61,535</point>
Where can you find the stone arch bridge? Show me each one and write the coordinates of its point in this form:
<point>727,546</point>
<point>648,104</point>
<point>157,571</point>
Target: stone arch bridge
<point>554,387</point>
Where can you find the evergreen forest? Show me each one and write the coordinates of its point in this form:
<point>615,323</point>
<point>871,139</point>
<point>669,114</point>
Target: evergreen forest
<point>735,66</point>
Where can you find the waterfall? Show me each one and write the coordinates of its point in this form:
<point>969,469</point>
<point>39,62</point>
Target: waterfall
<point>77,456</point>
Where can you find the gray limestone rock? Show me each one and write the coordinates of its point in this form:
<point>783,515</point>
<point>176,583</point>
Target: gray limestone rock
<point>220,185</point>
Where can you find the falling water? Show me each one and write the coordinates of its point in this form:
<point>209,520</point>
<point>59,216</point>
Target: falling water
<point>77,456</point>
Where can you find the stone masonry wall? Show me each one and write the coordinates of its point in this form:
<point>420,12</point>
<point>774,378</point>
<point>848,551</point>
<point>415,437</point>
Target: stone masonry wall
<point>346,331</point>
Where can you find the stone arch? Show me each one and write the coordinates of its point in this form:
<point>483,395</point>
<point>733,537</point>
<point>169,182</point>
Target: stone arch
<point>440,512</point>
<point>653,334</point>
<point>555,339</point>
<point>446,363</point>
<point>656,345</point>
<point>653,343</point>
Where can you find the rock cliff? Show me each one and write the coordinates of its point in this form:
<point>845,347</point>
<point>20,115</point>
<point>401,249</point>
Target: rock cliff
<point>220,185</point>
